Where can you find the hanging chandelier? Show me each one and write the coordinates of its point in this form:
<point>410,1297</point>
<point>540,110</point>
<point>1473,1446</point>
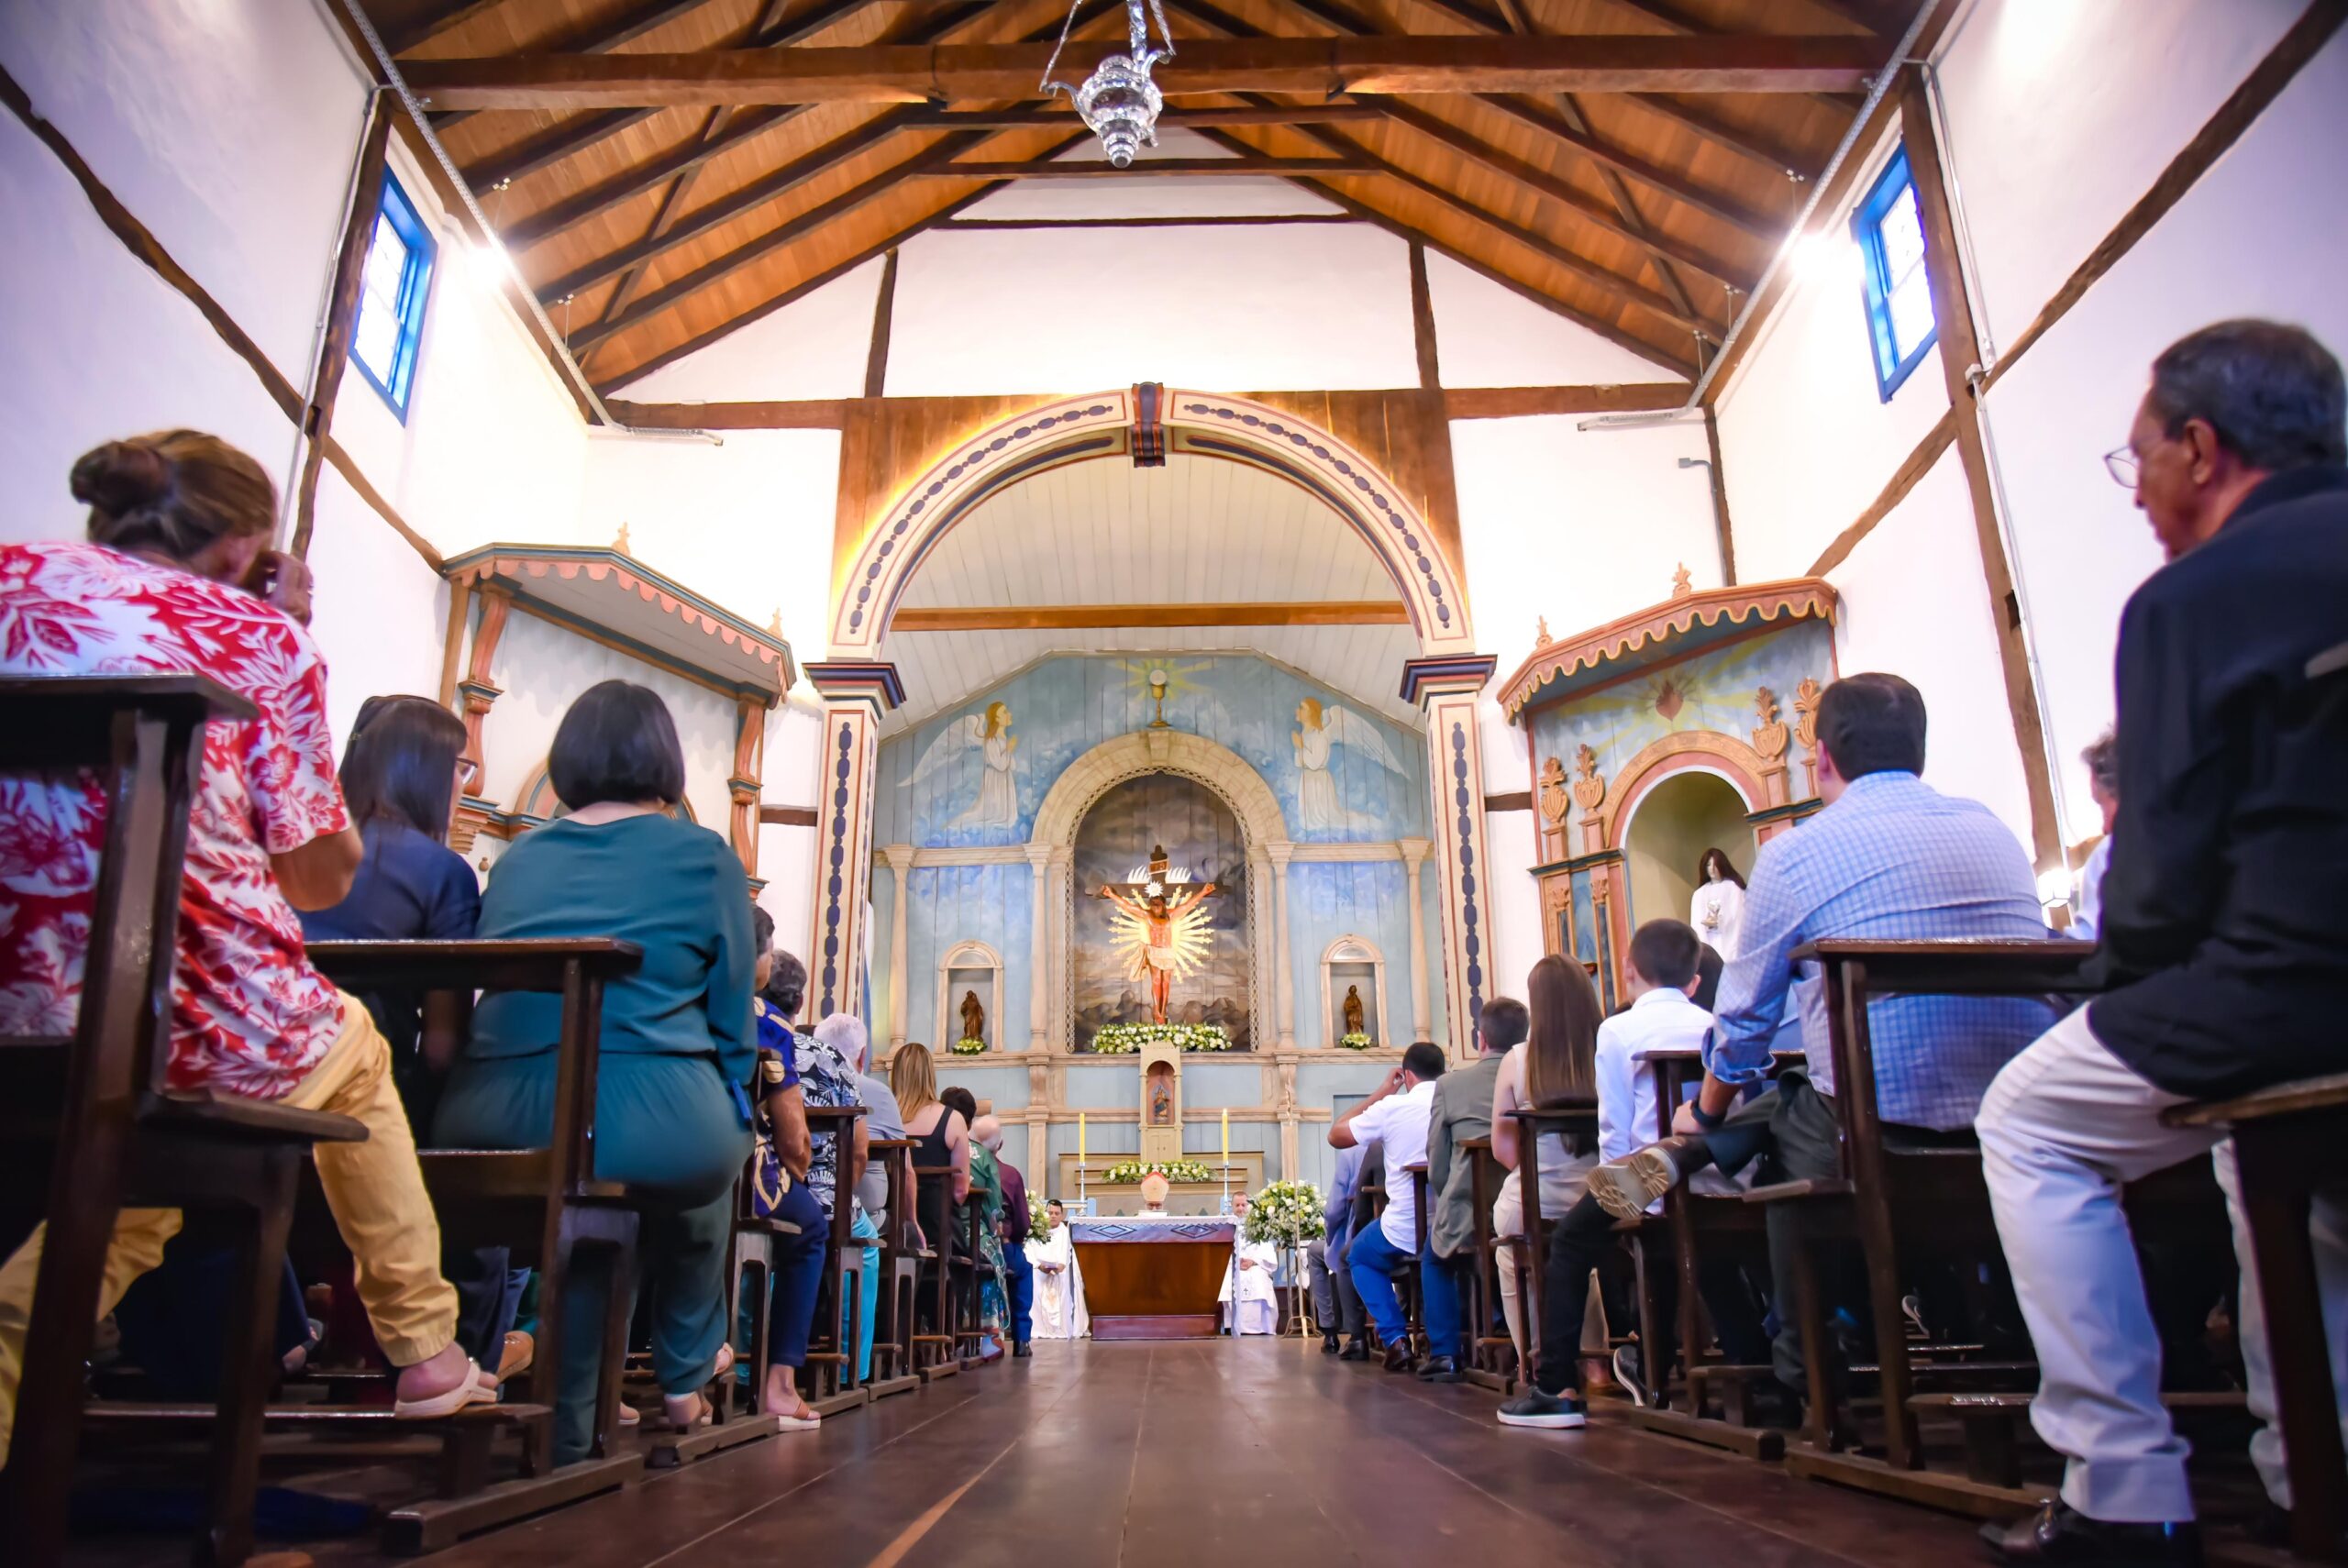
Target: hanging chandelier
<point>1118,102</point>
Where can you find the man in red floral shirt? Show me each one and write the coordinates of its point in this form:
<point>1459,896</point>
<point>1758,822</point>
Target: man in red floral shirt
<point>178,579</point>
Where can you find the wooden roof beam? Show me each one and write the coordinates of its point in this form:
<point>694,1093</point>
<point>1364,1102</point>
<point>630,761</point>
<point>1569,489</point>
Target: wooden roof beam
<point>808,284</point>
<point>557,142</point>
<point>786,233</point>
<point>1377,65</point>
<point>1154,167</point>
<point>627,28</point>
<point>1172,119</point>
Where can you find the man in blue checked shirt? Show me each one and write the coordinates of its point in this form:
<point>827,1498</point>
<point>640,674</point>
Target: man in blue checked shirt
<point>1888,857</point>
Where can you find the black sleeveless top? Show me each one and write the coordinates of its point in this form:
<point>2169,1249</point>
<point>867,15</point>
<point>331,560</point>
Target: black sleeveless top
<point>933,1202</point>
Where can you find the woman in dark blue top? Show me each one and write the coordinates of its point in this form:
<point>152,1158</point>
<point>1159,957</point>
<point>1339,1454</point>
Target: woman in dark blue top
<point>402,773</point>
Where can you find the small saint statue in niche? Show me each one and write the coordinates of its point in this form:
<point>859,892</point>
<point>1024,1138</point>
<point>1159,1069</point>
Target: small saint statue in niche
<point>1353,1010</point>
<point>974,1017</point>
<point>1161,1095</point>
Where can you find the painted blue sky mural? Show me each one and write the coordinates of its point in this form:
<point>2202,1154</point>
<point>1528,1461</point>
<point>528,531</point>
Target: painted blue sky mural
<point>976,775</point>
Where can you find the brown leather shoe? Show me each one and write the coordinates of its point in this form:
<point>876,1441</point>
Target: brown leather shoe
<point>1398,1355</point>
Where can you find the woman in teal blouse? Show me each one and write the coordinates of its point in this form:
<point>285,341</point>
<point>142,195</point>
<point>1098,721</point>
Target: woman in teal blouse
<point>677,1041</point>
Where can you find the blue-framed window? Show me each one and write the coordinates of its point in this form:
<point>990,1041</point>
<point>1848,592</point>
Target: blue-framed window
<point>392,289</point>
<point>1889,228</point>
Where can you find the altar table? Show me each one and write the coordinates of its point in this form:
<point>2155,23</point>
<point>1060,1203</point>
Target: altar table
<point>1153,1278</point>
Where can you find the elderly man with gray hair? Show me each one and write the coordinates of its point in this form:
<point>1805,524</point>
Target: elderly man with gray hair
<point>882,1119</point>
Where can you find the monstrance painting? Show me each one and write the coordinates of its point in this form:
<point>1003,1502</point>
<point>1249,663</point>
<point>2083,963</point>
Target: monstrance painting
<point>1201,837</point>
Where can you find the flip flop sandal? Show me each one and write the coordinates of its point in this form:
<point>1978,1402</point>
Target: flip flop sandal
<point>470,1390</point>
<point>797,1423</point>
<point>630,1416</point>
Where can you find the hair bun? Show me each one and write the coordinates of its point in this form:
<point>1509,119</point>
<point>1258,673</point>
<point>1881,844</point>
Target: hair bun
<point>120,477</point>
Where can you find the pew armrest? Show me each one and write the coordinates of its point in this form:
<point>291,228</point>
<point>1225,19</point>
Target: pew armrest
<point>534,965</point>
<point>232,1116</point>
<point>1819,1189</point>
<point>2297,1098</point>
<point>1959,966</point>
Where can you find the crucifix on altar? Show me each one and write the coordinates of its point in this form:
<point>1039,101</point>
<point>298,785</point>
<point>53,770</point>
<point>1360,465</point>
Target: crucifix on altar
<point>1162,923</point>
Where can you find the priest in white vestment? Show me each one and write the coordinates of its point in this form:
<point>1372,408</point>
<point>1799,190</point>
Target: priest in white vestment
<point>1251,1304</point>
<point>1059,1312</point>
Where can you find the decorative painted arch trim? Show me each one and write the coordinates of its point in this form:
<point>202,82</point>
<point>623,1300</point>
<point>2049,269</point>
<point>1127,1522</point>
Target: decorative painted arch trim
<point>1082,783</point>
<point>1724,756</point>
<point>1214,425</point>
<point>1755,603</point>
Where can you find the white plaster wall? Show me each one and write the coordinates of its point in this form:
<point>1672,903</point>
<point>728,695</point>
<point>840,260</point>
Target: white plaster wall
<point>542,669</point>
<point>98,347</point>
<point>1806,440</point>
<point>1914,603</point>
<point>1072,310</point>
<point>747,523</point>
<point>377,606</point>
<point>228,127</point>
<point>1487,335</point>
<point>814,347</point>
<point>787,854</point>
<point>2247,241</point>
<point>2062,114</point>
<point>1580,527</point>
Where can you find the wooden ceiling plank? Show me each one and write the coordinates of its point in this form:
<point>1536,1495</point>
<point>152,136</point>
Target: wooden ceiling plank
<point>627,28</point>
<point>1372,65</point>
<point>1474,148</point>
<point>1173,168</point>
<point>445,19</point>
<point>805,286</point>
<point>1172,119</point>
<point>784,233</point>
<point>1412,233</point>
<point>1606,278</point>
<point>713,215</point>
<point>575,136</point>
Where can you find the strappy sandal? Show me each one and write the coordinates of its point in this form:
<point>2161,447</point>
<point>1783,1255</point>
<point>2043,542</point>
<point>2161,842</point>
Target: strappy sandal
<point>469,1390</point>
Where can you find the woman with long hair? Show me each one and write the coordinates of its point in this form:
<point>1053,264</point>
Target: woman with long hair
<point>402,773</point>
<point>1555,1066</point>
<point>941,1141</point>
<point>177,576</point>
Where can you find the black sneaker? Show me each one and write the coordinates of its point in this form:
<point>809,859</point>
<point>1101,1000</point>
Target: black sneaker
<point>1534,1408</point>
<point>1356,1349</point>
<point>2059,1534</point>
<point>1441,1369</point>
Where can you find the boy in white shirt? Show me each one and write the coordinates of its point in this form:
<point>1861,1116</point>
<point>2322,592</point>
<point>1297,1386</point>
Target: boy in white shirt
<point>1662,978</point>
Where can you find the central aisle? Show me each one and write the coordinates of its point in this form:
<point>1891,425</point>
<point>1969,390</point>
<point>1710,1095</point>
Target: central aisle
<point>1219,1455</point>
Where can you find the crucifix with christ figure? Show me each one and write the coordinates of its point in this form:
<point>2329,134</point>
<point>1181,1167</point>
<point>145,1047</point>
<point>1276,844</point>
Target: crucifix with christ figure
<point>1161,924</point>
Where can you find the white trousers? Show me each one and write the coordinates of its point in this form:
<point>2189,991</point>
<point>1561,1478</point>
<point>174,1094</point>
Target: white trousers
<point>2063,1126</point>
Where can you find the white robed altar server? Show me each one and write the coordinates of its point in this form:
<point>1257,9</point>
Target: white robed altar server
<point>1059,1312</point>
<point>1248,1278</point>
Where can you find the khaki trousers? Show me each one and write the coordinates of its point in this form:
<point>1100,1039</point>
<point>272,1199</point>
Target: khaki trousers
<point>1508,1219</point>
<point>374,1188</point>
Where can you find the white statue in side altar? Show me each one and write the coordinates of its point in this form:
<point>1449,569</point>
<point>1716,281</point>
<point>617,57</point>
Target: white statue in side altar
<point>1318,732</point>
<point>1059,1312</point>
<point>1717,910</point>
<point>1251,1304</point>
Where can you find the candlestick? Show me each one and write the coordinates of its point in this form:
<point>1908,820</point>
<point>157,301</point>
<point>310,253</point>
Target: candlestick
<point>1079,1137</point>
<point>1226,1135</point>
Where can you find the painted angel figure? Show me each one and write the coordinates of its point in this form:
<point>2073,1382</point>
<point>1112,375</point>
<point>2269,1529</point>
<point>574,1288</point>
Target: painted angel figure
<point>990,733</point>
<point>1321,731</point>
<point>1168,935</point>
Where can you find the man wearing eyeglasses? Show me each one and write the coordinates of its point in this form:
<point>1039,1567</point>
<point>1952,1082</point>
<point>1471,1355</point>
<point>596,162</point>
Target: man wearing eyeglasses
<point>2223,939</point>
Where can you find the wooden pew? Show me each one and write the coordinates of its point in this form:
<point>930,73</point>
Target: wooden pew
<point>1412,1286</point>
<point>89,1124</point>
<point>832,1385</point>
<point>2289,1142</point>
<point>934,1353</point>
<point>1884,1191</point>
<point>546,1204</point>
<point>892,1337</point>
<point>1492,1355</point>
<point>1698,1226</point>
<point>1532,1123</point>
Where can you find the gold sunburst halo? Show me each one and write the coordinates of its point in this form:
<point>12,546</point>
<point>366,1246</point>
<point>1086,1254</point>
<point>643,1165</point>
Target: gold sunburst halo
<point>1187,937</point>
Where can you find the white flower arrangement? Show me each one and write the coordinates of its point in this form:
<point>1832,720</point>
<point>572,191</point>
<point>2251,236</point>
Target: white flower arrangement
<point>1356,1041</point>
<point>1125,1039</point>
<point>968,1046</point>
<point>1127,1171</point>
<point>1039,1219</point>
<point>1288,1212</point>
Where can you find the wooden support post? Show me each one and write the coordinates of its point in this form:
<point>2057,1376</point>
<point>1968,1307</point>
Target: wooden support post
<point>1422,322</point>
<point>342,315</point>
<point>1960,362</point>
<point>742,788</point>
<point>884,310</point>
